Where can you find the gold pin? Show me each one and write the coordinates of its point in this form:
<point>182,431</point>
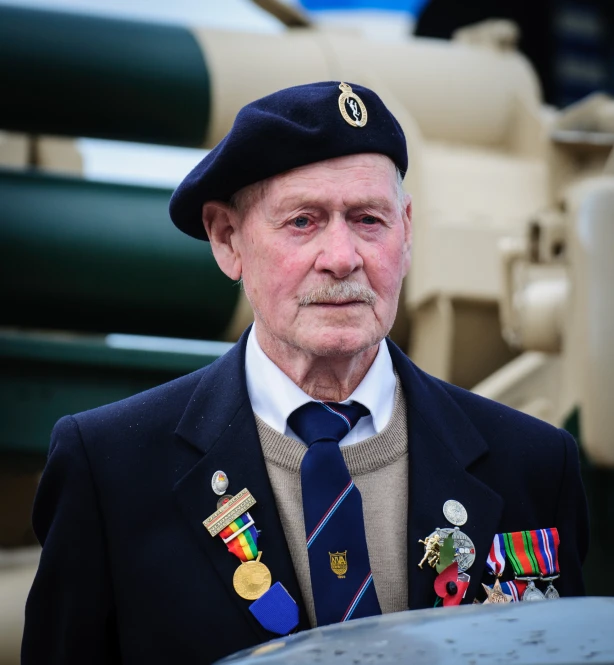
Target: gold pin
<point>352,108</point>
<point>339,563</point>
<point>432,546</point>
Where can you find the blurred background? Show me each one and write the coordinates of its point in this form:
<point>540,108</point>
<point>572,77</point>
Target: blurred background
<point>107,104</point>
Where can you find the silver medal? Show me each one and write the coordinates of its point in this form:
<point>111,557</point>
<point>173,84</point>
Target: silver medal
<point>463,546</point>
<point>219,483</point>
<point>532,593</point>
<point>551,593</point>
<point>455,512</point>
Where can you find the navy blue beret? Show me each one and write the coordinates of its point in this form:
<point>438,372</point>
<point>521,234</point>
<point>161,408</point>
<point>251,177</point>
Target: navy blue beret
<point>290,128</point>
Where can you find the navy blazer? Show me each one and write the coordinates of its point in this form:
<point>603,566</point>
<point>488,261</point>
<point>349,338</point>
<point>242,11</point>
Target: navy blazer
<point>128,573</point>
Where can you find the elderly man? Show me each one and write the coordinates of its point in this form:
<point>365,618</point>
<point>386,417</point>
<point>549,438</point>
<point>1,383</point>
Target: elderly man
<point>309,475</point>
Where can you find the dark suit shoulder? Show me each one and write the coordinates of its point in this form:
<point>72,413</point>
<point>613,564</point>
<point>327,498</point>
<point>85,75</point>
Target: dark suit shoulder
<point>530,453</point>
<point>494,415</point>
<point>163,403</point>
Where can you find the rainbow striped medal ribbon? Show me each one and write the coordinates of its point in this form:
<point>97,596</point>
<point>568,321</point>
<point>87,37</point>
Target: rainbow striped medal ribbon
<point>521,554</point>
<point>546,548</point>
<point>273,606</point>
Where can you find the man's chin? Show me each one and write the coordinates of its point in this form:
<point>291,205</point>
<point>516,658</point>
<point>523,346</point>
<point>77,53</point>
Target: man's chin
<point>339,343</point>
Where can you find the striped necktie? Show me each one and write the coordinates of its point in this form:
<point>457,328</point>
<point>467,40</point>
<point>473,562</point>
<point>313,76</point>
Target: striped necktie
<point>341,578</point>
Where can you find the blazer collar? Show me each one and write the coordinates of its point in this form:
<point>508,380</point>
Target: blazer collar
<point>443,444</point>
<point>219,422</point>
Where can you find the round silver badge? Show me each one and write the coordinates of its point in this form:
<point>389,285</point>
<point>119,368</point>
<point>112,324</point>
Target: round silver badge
<point>455,512</point>
<point>463,546</point>
<point>219,482</point>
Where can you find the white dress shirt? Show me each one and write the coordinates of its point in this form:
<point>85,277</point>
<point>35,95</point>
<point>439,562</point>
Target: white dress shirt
<point>274,396</point>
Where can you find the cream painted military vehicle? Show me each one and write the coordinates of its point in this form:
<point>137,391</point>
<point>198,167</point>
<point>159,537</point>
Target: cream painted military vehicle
<point>510,294</point>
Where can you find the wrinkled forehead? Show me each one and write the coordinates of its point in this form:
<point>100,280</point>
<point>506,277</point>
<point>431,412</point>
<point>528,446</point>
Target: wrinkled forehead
<point>363,175</point>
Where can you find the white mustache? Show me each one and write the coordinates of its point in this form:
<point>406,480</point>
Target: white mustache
<point>338,293</point>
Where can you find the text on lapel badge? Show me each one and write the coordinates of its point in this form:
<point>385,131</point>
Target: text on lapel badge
<point>228,513</point>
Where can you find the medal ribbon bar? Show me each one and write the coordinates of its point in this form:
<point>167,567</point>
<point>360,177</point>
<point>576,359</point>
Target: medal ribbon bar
<point>496,556</point>
<point>241,538</point>
<point>229,512</point>
<point>513,588</point>
<point>519,546</point>
<point>546,547</point>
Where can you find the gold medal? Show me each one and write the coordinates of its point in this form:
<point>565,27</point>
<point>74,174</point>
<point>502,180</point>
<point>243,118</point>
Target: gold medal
<point>252,579</point>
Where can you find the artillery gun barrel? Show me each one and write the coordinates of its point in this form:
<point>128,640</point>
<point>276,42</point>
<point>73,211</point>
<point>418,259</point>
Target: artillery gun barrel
<point>82,75</point>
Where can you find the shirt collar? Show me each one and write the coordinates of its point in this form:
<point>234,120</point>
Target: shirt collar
<point>274,396</point>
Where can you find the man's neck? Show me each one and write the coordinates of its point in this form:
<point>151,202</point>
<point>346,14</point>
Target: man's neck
<point>325,378</point>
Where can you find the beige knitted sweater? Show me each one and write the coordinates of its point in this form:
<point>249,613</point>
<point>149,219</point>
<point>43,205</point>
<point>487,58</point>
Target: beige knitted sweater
<point>378,466</point>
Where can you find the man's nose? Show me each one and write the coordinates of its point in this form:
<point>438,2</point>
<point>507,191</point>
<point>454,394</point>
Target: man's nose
<point>338,253</point>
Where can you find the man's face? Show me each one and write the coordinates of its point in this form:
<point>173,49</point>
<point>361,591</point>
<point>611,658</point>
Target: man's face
<point>320,226</point>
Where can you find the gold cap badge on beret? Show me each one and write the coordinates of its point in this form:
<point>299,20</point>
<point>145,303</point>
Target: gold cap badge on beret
<point>352,107</point>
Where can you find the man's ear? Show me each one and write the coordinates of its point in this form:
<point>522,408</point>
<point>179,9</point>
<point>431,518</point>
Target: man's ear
<point>221,224</point>
<point>407,221</point>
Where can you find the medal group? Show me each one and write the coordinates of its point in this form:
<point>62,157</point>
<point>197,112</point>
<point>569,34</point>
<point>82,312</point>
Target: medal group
<point>273,607</point>
<point>533,556</point>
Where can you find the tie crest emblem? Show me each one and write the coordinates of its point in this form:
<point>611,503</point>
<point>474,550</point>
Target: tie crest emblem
<point>339,563</point>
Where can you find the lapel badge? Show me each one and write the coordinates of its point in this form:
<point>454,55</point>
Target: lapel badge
<point>432,550</point>
<point>464,549</point>
<point>352,108</point>
<point>219,483</point>
<point>455,512</point>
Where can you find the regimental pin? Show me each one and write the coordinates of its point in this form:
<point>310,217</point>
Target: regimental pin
<point>352,108</point>
<point>219,483</point>
<point>455,512</point>
<point>432,550</point>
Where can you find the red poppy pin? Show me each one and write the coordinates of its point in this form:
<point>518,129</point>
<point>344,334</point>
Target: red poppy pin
<point>450,586</point>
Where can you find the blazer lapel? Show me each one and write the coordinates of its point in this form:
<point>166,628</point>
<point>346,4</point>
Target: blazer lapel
<point>443,443</point>
<point>220,423</point>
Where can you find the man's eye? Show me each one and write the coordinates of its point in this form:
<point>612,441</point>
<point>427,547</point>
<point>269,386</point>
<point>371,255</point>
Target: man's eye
<point>300,222</point>
<point>368,219</point>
